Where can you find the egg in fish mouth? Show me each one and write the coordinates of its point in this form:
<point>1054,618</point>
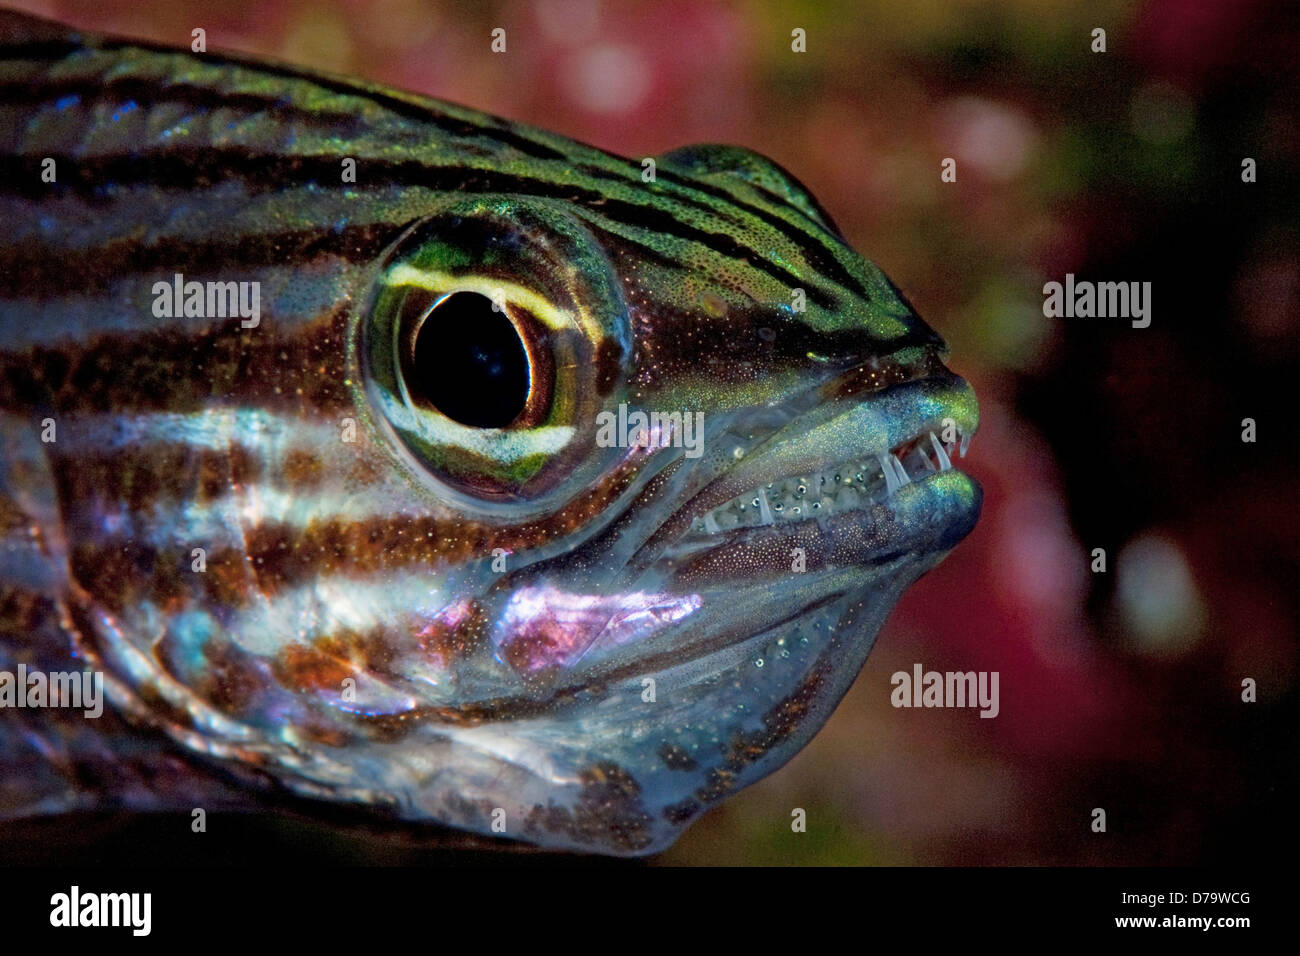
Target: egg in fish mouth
<point>372,547</point>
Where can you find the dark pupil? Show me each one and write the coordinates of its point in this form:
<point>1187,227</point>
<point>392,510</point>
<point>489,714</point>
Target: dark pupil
<point>470,363</point>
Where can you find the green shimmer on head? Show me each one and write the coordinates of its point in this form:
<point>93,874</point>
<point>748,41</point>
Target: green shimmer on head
<point>698,390</point>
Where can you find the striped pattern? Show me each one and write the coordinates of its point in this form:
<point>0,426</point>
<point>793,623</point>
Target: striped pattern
<point>326,558</point>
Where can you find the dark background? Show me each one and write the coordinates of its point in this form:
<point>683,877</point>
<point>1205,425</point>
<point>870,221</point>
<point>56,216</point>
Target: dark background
<point>1119,690</point>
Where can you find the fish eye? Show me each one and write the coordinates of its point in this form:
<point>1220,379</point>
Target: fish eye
<point>469,361</point>
<point>491,337</point>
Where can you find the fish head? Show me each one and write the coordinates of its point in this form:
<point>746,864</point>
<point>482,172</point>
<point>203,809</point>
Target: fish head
<point>555,504</point>
<point>676,466</point>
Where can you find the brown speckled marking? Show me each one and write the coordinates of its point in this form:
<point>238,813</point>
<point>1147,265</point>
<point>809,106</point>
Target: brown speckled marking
<point>475,814</point>
<point>232,679</point>
<point>305,667</point>
<point>320,732</point>
<point>364,472</point>
<point>676,757</point>
<point>302,470</point>
<point>779,722</point>
<point>299,369</point>
<point>227,580</point>
<point>718,782</point>
<point>609,810</point>
<point>12,517</point>
<point>375,651</point>
<point>145,475</point>
<point>120,574</point>
<point>388,728</point>
<point>22,611</point>
<point>285,556</point>
<point>679,813</point>
<point>123,574</point>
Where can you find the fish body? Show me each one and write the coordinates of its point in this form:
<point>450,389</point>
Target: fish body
<point>385,452</point>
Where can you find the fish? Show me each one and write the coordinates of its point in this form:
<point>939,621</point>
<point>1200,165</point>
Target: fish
<point>374,451</point>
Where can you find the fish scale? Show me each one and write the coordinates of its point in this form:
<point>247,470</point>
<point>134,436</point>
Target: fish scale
<point>291,565</point>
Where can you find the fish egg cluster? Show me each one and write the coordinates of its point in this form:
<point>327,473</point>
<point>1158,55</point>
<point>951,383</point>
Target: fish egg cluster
<point>819,495</point>
<point>853,485</point>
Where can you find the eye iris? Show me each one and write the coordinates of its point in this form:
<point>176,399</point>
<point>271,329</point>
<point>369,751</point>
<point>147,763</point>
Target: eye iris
<point>470,363</point>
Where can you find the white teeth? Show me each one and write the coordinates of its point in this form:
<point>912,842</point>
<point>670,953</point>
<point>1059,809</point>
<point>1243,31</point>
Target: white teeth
<point>920,459</point>
<point>764,509</point>
<point>965,444</point>
<point>899,470</point>
<point>944,462</point>
<point>711,524</point>
<point>891,479</point>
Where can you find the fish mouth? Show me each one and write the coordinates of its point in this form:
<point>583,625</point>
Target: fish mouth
<point>851,484</point>
<point>768,577</point>
<point>849,497</point>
